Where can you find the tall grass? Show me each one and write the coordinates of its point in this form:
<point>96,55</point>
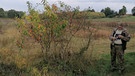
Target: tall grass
<point>29,61</point>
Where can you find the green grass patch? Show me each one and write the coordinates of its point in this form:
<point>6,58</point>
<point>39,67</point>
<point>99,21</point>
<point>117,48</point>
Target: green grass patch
<point>117,19</point>
<point>102,66</point>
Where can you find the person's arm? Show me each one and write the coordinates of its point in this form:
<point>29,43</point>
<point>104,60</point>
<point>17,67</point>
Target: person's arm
<point>126,36</point>
<point>111,36</point>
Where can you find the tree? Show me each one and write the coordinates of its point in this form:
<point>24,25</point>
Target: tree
<point>108,12</point>
<point>11,13</point>
<point>133,11</point>
<point>52,31</point>
<point>123,11</point>
<point>103,10</point>
<point>90,10</point>
<point>55,35</point>
<point>2,12</point>
<point>19,14</point>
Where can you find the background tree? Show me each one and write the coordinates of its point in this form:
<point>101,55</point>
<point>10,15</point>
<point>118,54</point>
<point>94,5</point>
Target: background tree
<point>108,12</point>
<point>123,11</point>
<point>2,12</point>
<point>19,14</point>
<point>11,13</point>
<point>133,11</point>
<point>90,10</point>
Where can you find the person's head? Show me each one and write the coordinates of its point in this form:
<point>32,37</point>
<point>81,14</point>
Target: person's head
<point>120,26</point>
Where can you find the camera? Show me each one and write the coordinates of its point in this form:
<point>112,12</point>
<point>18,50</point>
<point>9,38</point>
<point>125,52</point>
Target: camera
<point>117,36</point>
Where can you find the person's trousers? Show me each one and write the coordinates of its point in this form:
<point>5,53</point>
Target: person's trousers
<point>117,54</point>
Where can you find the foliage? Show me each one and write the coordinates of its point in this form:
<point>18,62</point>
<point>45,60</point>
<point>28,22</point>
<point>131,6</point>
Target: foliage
<point>89,15</point>
<point>46,31</point>
<point>54,30</point>
<point>13,13</point>
<point>123,11</point>
<point>133,11</point>
<point>108,12</point>
<point>11,63</point>
<point>95,15</point>
<point>2,13</point>
<point>90,10</point>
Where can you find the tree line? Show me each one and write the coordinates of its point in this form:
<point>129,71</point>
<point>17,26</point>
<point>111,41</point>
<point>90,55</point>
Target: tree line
<point>10,13</point>
<point>106,12</point>
<point>111,13</point>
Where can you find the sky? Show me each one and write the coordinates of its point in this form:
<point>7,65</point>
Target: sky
<point>97,5</point>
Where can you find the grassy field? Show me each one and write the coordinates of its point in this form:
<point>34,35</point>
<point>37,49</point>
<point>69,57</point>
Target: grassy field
<point>28,61</point>
<point>117,19</point>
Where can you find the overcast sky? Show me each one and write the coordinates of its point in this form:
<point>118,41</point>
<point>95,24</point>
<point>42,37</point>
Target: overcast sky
<point>97,5</point>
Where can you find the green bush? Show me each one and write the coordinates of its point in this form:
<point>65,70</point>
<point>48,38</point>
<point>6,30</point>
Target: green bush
<point>90,15</point>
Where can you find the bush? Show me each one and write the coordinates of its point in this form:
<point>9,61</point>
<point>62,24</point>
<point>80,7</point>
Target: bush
<point>90,15</point>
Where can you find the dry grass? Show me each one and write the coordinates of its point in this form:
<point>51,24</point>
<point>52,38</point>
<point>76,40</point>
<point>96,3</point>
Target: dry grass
<point>31,53</point>
<point>100,45</point>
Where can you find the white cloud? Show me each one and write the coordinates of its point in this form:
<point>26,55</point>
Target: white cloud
<point>13,4</point>
<point>97,5</point>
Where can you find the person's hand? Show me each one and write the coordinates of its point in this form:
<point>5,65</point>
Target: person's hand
<point>113,38</point>
<point>120,36</point>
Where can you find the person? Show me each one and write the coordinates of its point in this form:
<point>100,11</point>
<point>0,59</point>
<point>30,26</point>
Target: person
<point>119,39</point>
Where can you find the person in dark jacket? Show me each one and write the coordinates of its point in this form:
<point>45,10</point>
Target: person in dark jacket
<point>119,39</point>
